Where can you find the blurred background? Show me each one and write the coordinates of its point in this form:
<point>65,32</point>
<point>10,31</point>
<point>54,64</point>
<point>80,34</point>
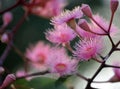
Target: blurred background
<point>32,31</point>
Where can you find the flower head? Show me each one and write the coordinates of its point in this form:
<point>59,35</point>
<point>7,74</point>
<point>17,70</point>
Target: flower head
<point>59,62</point>
<point>116,76</point>
<point>60,34</point>
<point>67,15</point>
<point>117,70</point>
<point>38,54</point>
<point>46,8</point>
<point>88,48</point>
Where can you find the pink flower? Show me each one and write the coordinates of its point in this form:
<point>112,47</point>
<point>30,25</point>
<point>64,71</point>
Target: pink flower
<point>117,70</point>
<point>88,48</point>
<point>116,76</point>
<point>59,62</point>
<point>46,8</point>
<point>104,24</point>
<point>60,34</point>
<point>7,18</point>
<point>67,15</point>
<point>21,73</point>
<point>38,54</point>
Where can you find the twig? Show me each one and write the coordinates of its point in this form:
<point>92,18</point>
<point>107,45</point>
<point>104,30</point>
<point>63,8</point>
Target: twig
<point>106,65</point>
<point>19,2</point>
<point>33,74</point>
<point>5,54</point>
<point>83,77</point>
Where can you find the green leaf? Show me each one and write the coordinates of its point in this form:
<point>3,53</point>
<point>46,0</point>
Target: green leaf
<point>22,84</point>
<point>60,81</point>
<point>44,83</point>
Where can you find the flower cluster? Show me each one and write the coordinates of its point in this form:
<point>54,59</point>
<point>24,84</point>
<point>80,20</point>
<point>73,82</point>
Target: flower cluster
<point>73,39</point>
<point>55,59</point>
<point>45,8</point>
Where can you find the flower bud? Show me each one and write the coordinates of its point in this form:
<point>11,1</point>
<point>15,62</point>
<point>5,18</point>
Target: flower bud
<point>83,24</point>
<point>7,18</point>
<point>2,70</point>
<point>8,80</point>
<point>114,79</point>
<point>114,5</point>
<point>86,10</point>
<point>5,38</point>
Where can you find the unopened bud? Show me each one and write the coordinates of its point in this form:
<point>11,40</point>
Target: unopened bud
<point>5,38</point>
<point>2,70</point>
<point>8,80</point>
<point>114,5</point>
<point>83,24</point>
<point>7,18</point>
<point>114,79</point>
<point>86,10</point>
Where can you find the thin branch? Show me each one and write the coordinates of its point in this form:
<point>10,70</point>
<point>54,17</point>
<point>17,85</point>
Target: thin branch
<point>96,73</point>
<point>111,40</point>
<point>33,74</point>
<point>5,54</point>
<point>118,43</point>
<point>106,65</point>
<point>19,2</point>
<point>99,25</point>
<point>19,52</point>
<point>81,76</point>
<point>111,20</point>
<point>97,60</point>
<point>117,49</point>
<point>16,28</point>
<point>101,34</point>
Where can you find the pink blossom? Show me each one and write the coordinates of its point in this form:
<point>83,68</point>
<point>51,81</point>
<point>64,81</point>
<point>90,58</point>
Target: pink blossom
<point>10,78</point>
<point>38,54</point>
<point>59,62</point>
<point>86,10</point>
<point>67,15</point>
<point>60,34</point>
<point>7,18</point>
<point>21,73</point>
<point>117,70</point>
<point>88,48</point>
<point>104,24</point>
<point>46,8</point>
<point>114,5</point>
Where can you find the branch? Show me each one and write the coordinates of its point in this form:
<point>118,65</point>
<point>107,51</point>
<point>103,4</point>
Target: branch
<point>19,2</point>
<point>33,74</point>
<point>15,29</point>
<point>96,73</point>
<point>106,65</point>
<point>99,25</point>
<point>81,76</point>
<point>5,54</point>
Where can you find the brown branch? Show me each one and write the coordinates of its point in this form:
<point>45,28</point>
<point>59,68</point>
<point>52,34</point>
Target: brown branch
<point>19,2</point>
<point>106,65</point>
<point>33,74</point>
